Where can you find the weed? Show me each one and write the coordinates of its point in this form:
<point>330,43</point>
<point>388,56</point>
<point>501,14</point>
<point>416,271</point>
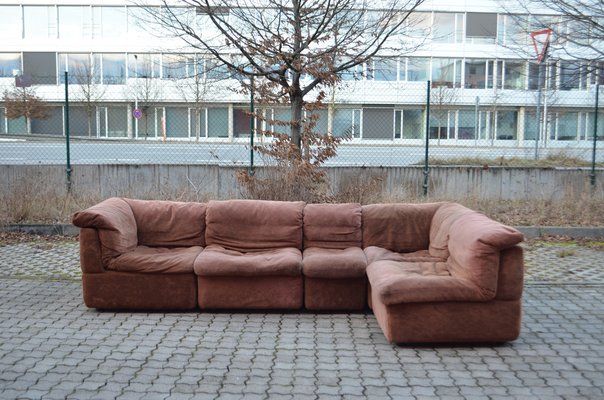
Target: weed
<point>562,253</point>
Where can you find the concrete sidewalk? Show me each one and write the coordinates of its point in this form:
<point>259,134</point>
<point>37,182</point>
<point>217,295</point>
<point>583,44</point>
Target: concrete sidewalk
<point>53,347</point>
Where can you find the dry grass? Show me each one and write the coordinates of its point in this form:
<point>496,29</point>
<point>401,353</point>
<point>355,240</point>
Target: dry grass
<point>551,161</point>
<point>36,201</point>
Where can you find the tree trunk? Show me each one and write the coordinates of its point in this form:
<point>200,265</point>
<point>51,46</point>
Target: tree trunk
<point>296,127</point>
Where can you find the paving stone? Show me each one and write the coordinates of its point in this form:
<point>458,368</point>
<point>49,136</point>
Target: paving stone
<point>51,346</point>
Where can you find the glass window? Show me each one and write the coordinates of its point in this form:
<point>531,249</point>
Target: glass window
<point>114,69</point>
<point>143,65</point>
<point>113,121</point>
<point>512,30</point>
<point>417,69</point>
<point>351,74</point>
<point>216,70</point>
<point>79,67</point>
<point>475,74</point>
<point>41,66</point>
<point>442,124</point>
<point>136,25</point>
<point>481,27</point>
<point>444,28</point>
<point>533,76</point>
<point>10,22</point>
<point>590,125</point>
<point>378,123</point>
<point>568,126</point>
<point>40,21</point>
<point>10,64</point>
<point>241,122</point>
<point>466,124</point>
<point>419,24</point>
<point>197,122</point>
<point>384,69</point>
<point>321,116</point>
<point>346,123</point>
<point>506,125</point>
<point>175,122</point>
<point>446,72</point>
<point>109,21</point>
<point>530,124</point>
<point>74,22</point>
<point>570,75</point>
<point>178,66</point>
<point>413,124</point>
<point>281,121</point>
<point>218,122</point>
<point>514,75</point>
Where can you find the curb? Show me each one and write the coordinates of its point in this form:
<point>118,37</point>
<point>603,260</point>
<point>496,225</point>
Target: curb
<point>43,229</point>
<point>530,232</point>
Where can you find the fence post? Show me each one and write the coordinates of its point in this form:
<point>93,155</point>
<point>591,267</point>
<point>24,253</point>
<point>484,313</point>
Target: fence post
<point>426,167</point>
<point>593,153</point>
<point>252,119</point>
<point>68,168</point>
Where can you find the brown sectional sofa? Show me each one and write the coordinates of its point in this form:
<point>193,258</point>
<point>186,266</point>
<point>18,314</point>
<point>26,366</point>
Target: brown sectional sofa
<point>435,272</point>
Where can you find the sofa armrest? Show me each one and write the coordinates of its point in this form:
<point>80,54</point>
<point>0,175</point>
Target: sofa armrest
<point>116,226</point>
<point>475,246</point>
<point>90,251</point>
<point>511,274</point>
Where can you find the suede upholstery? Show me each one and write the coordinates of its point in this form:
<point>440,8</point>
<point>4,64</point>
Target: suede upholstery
<point>332,226</point>
<point>475,242</point>
<point>218,261</point>
<point>114,220</point>
<point>333,261</point>
<point>169,223</point>
<point>465,285</point>
<point>402,228</point>
<point>251,225</point>
<point>157,260</point>
<point>253,246</point>
<point>436,272</point>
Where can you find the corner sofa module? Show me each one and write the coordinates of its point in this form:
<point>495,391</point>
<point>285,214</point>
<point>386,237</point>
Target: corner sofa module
<point>442,273</point>
<point>139,255</point>
<point>253,258</point>
<point>333,261</point>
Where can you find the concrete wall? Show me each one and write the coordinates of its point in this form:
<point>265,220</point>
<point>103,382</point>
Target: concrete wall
<point>208,182</point>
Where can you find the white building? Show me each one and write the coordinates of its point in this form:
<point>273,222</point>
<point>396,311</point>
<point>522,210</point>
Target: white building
<point>483,93</point>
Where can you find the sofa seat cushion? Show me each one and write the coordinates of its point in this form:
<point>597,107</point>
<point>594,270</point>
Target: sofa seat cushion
<point>218,261</point>
<point>334,263</point>
<point>399,282</point>
<point>374,253</point>
<point>157,260</point>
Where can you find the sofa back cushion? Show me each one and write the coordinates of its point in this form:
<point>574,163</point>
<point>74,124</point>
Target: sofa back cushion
<point>114,220</point>
<point>332,226</point>
<point>169,223</point>
<point>475,244</point>
<point>401,228</point>
<point>446,215</point>
<point>248,225</point>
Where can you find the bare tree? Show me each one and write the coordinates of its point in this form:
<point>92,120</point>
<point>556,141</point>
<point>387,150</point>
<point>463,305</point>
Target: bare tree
<point>90,92</point>
<point>146,90</point>
<point>191,82</point>
<point>23,102</point>
<point>442,98</point>
<point>292,48</point>
<point>579,28</point>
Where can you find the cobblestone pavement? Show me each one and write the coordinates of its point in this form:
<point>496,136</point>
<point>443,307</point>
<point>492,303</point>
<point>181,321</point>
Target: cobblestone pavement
<point>53,347</point>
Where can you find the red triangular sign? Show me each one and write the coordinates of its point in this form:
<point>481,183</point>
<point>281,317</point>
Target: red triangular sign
<point>540,42</point>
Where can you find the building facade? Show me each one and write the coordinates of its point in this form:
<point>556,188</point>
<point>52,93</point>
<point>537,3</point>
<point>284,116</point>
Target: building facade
<point>126,82</point>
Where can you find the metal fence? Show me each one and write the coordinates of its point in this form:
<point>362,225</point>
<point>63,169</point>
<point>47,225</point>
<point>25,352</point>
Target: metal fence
<point>381,123</point>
